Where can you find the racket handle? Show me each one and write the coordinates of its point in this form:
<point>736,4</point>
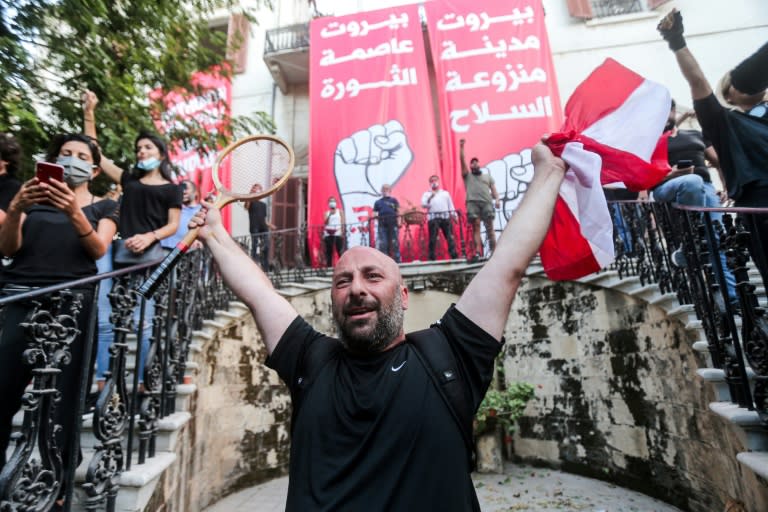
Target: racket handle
<point>148,287</point>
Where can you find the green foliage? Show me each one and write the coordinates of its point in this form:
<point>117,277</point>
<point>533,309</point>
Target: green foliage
<point>503,407</point>
<point>52,50</point>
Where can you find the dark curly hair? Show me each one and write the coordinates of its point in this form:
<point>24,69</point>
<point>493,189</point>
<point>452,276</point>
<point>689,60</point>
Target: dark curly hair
<point>54,148</point>
<point>10,151</point>
<point>166,168</point>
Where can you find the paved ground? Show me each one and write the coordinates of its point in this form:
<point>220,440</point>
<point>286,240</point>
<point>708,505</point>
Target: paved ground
<point>521,488</point>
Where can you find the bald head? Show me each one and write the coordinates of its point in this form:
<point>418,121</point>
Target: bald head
<point>360,256</point>
<point>368,300</point>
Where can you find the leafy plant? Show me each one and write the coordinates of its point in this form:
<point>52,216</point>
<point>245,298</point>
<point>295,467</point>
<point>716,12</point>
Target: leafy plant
<point>503,407</point>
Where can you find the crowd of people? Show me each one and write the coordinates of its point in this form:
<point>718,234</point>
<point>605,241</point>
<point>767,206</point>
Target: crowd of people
<point>350,393</point>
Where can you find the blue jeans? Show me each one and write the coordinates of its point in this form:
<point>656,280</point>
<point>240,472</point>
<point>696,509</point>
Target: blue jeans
<point>687,190</point>
<point>387,241</point>
<point>712,201</point>
<point>105,334</point>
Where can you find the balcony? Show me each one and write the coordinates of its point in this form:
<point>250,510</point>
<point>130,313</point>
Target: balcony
<point>286,54</point>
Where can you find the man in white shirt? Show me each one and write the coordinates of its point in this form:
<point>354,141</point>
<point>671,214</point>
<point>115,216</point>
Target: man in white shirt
<point>440,215</point>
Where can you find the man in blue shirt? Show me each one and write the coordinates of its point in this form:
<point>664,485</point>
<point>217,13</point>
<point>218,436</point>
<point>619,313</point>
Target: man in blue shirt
<point>386,211</point>
<point>189,207</point>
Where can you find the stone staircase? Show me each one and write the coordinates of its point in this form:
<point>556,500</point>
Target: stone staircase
<point>755,432</point>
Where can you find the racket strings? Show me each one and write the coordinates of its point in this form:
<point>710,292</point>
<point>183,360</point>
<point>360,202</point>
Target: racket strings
<point>260,162</point>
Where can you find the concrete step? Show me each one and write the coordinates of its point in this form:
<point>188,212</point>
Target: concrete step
<point>756,461</point>
<point>749,421</point>
<point>136,485</point>
<point>716,377</point>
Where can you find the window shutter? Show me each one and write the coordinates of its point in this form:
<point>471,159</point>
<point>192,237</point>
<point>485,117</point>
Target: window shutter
<point>652,4</point>
<point>580,8</point>
<point>238,32</point>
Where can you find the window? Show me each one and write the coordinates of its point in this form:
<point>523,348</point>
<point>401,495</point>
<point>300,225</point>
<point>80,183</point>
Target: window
<point>589,9</point>
<point>229,37</point>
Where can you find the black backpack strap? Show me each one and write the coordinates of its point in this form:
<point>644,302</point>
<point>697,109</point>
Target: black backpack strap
<point>436,355</point>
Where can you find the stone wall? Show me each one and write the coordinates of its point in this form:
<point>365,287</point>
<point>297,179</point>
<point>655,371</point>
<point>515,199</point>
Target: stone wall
<point>617,397</point>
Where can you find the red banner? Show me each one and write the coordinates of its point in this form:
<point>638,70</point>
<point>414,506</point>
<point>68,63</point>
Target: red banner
<point>209,104</point>
<point>496,89</point>
<point>371,117</point>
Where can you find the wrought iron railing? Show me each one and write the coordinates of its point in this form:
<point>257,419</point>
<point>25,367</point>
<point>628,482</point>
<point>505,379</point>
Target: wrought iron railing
<point>714,260</point>
<point>291,37</point>
<point>36,475</point>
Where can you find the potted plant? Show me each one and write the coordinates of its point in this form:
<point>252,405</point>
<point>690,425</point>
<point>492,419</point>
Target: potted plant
<point>498,414</point>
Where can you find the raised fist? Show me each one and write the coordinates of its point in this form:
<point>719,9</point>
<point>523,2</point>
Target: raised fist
<point>512,175</point>
<point>365,161</point>
<point>671,29</point>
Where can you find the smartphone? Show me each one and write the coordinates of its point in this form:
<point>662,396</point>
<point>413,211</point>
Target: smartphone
<point>682,164</point>
<point>44,171</point>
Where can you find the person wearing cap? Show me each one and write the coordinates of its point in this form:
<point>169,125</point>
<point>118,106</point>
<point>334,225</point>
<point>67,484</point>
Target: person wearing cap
<point>739,137</point>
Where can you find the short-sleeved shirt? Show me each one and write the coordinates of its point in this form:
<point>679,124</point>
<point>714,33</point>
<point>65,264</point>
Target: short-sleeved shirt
<point>372,433</point>
<point>257,217</point>
<point>689,145</point>
<point>478,187</point>
<point>187,212</point>
<point>386,208</point>
<point>9,186</point>
<point>51,251</point>
<point>144,208</point>
<point>741,142</point>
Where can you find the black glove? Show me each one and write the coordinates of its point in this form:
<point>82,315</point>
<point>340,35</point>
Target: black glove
<point>674,35</point>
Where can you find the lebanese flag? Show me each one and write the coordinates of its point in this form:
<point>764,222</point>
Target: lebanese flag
<point>610,136</point>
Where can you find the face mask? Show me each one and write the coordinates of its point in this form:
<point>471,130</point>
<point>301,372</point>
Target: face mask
<point>148,164</point>
<point>76,171</point>
<point>434,185</point>
<point>332,205</point>
<point>476,172</point>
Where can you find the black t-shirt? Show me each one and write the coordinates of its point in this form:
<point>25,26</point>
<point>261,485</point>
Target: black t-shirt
<point>144,208</point>
<point>51,251</point>
<point>372,433</point>
<point>741,142</point>
<point>9,186</point>
<point>689,145</point>
<point>257,217</point>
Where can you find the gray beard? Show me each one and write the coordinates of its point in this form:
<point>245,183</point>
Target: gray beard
<point>388,326</point>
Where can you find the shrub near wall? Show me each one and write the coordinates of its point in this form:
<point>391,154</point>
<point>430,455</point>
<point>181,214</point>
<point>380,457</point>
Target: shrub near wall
<point>617,397</point>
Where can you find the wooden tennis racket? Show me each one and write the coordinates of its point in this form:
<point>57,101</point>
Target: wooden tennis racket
<point>256,162</point>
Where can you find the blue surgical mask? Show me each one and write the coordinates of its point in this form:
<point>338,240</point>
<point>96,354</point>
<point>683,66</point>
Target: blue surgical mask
<point>148,164</point>
<point>76,171</point>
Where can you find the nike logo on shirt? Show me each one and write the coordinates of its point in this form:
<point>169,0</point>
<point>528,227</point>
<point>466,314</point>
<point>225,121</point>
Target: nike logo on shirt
<point>397,368</point>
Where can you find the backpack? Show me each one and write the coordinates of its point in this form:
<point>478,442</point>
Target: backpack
<point>436,355</point>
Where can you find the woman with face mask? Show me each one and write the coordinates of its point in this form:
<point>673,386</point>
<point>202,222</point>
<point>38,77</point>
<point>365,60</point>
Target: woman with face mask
<point>333,231</point>
<point>54,232</point>
<point>149,212</point>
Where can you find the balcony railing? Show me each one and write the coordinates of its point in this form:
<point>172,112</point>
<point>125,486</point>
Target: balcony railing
<point>292,37</point>
<point>605,8</point>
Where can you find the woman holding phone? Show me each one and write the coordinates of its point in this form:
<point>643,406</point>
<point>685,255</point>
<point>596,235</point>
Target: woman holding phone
<point>54,231</point>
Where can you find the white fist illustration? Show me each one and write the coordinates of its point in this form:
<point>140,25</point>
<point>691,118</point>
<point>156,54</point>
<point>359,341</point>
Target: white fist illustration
<point>512,175</point>
<point>365,161</point>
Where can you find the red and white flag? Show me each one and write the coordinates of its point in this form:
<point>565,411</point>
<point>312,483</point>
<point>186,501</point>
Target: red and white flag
<point>613,122</point>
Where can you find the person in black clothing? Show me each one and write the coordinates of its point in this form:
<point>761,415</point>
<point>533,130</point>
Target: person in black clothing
<point>55,233</point>
<point>149,210</point>
<point>740,139</point>
<point>10,154</point>
<point>371,431</point>
<point>259,228</point>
